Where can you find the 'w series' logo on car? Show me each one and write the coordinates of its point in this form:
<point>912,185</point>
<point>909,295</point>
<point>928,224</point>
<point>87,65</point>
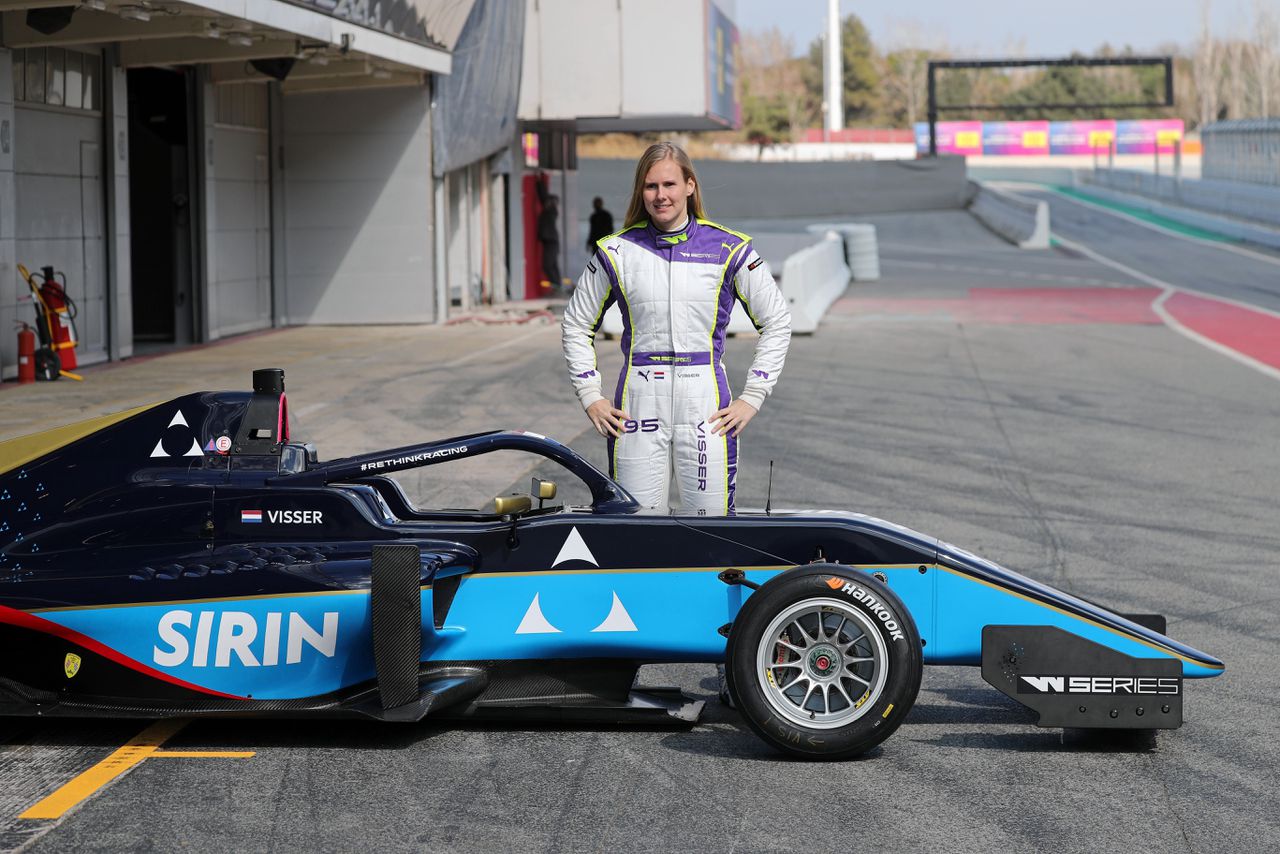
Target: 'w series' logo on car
<point>1099,685</point>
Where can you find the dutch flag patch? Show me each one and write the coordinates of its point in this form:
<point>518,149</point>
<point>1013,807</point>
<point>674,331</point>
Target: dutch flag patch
<point>251,516</point>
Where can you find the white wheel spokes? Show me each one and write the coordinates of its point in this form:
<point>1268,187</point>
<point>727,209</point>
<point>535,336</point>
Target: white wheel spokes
<point>797,650</point>
<point>855,677</point>
<point>843,692</point>
<point>836,665</point>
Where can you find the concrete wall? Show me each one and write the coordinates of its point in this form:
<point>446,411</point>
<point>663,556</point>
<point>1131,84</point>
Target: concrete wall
<point>239,228</point>
<point>53,215</point>
<point>9,279</point>
<point>357,207</point>
<point>119,282</point>
<point>733,190</point>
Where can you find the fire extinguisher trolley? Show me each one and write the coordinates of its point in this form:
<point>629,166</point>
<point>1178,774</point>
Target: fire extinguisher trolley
<point>55,323</point>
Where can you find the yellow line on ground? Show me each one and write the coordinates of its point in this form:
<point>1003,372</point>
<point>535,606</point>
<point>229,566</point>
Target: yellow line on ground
<point>204,754</point>
<point>138,748</point>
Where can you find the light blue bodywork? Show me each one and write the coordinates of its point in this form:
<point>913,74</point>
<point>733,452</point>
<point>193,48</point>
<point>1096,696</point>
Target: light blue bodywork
<point>666,615</point>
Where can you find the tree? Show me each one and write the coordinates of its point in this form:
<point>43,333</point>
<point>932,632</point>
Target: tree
<point>905,76</point>
<point>1237,95</point>
<point>1206,69</point>
<point>764,121</point>
<point>861,77</point>
<point>770,71</point>
<point>1266,57</point>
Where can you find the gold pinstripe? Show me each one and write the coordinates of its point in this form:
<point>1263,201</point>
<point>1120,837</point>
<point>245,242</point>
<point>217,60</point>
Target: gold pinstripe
<point>469,577</point>
<point>24,449</point>
<point>660,569</point>
<point>1083,619</point>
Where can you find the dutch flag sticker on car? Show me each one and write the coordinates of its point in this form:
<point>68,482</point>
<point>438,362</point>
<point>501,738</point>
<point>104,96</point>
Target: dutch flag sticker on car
<point>251,516</point>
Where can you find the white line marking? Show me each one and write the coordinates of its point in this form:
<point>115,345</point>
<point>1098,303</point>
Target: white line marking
<point>1225,246</point>
<point>1168,290</point>
<point>1172,323</point>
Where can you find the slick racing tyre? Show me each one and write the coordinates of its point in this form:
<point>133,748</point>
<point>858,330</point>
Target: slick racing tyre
<point>824,662</point>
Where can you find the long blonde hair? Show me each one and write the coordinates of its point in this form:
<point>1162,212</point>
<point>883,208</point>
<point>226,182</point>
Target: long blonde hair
<point>656,153</point>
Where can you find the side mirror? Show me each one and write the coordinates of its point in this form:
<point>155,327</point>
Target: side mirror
<point>507,505</point>
<point>542,489</point>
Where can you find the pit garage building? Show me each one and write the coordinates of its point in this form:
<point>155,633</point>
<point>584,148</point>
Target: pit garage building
<point>204,168</point>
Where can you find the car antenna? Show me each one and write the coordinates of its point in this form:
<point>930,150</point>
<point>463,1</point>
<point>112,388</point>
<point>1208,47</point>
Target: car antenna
<point>768,499</point>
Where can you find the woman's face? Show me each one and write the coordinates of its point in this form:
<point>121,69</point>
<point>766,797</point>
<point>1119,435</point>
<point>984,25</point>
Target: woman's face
<point>666,194</point>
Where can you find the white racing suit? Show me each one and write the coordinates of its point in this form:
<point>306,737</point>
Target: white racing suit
<point>676,293</point>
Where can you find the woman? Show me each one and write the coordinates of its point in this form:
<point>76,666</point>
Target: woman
<point>675,276</point>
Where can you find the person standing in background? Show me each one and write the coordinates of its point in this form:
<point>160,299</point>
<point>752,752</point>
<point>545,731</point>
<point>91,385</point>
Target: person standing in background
<point>549,237</point>
<point>601,224</point>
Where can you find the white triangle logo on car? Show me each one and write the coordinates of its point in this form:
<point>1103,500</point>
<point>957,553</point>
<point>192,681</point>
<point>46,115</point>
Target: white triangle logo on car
<point>618,620</point>
<point>178,419</point>
<point>534,623</point>
<point>574,548</point>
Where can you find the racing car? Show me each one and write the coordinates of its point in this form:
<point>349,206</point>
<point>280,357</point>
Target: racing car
<point>188,558</point>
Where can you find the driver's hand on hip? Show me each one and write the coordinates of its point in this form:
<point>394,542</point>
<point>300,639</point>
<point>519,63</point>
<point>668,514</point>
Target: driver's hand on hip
<point>607,418</point>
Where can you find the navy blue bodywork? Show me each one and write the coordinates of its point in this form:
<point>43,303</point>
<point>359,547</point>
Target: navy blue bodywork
<point>144,571</point>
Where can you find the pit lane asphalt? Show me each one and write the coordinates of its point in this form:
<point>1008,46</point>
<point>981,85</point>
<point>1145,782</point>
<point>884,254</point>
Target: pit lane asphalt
<point>1119,461</point>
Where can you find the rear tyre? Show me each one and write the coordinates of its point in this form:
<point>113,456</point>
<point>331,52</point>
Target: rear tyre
<point>824,662</point>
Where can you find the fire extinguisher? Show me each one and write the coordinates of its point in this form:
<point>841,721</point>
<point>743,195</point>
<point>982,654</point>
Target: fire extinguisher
<point>62,316</point>
<point>26,353</point>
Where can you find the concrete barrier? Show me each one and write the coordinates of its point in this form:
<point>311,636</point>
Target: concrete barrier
<point>811,279</point>
<point>1023,222</point>
<point>735,191</point>
<point>861,248</point>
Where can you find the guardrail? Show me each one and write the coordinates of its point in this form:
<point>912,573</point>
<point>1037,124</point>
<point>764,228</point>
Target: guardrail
<point>811,280</point>
<point>1254,202</point>
<point>1022,222</point>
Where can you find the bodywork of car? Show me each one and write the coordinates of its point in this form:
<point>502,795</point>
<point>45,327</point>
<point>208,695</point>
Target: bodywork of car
<point>187,558</point>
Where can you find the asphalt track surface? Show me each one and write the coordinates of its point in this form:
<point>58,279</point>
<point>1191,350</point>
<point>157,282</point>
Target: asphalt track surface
<point>1028,406</point>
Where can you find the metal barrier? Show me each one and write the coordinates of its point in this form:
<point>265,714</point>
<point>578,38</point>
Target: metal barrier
<point>1258,203</point>
<point>1244,150</point>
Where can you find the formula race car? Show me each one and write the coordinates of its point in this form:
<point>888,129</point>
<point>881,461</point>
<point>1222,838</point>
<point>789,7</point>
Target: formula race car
<point>187,558</point>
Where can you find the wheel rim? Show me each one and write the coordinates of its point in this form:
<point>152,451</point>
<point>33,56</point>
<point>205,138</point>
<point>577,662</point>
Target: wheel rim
<point>822,664</point>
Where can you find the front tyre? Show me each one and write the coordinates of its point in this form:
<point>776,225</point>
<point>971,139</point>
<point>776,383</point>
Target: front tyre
<point>824,662</point>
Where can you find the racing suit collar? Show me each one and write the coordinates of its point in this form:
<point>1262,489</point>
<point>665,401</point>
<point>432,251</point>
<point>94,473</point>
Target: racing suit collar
<point>670,238</point>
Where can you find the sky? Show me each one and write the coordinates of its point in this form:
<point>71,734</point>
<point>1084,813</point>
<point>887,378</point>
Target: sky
<point>986,28</point>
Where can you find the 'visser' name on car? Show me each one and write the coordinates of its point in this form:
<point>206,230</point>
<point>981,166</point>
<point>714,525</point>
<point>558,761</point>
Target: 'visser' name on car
<point>413,458</point>
<point>282,517</point>
<point>187,637</point>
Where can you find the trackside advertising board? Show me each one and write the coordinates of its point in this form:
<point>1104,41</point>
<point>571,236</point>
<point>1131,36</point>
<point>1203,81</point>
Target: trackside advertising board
<point>1140,136</point>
